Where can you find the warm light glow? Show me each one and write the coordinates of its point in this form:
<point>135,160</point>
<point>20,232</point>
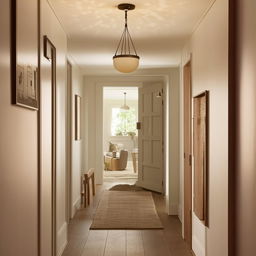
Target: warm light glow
<point>126,64</point>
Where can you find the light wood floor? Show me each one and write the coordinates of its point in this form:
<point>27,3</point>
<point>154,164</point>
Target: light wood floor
<point>85,242</point>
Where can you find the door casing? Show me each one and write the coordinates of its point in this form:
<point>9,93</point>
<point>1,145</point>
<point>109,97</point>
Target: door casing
<point>187,101</point>
<point>69,144</point>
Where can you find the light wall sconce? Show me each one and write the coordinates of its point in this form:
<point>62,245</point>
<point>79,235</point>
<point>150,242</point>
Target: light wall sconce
<point>159,94</point>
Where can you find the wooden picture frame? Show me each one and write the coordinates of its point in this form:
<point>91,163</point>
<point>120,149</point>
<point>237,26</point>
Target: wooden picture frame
<point>200,152</point>
<point>24,53</point>
<point>77,117</point>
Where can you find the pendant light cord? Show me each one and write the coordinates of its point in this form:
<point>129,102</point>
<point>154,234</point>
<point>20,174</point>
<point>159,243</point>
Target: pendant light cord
<point>125,44</point>
<point>126,18</point>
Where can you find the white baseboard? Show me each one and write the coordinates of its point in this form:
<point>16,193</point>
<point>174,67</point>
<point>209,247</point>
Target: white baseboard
<point>173,209</point>
<point>62,239</point>
<point>197,247</point>
<point>76,206</point>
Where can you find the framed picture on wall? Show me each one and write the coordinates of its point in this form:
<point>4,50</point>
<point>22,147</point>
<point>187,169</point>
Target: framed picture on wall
<point>24,53</point>
<point>77,117</point>
<point>200,151</point>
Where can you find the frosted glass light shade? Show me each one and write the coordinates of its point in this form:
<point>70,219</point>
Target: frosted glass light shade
<point>126,63</point>
<point>125,107</point>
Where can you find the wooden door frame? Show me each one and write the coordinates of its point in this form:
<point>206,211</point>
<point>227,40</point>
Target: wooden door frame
<point>50,54</point>
<point>187,92</point>
<point>69,125</point>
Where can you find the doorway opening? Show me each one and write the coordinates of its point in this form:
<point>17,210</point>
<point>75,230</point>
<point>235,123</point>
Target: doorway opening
<point>120,135</point>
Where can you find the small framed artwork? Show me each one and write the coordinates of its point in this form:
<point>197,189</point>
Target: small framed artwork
<point>24,54</point>
<point>77,117</point>
<point>26,90</point>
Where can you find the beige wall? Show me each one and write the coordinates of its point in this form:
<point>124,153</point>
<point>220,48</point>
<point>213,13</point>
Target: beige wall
<point>18,160</point>
<point>77,145</point>
<point>173,137</point>
<point>19,149</point>
<point>51,27</point>
<point>208,47</point>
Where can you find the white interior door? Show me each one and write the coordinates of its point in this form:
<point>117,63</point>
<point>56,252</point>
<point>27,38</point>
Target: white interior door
<point>151,137</point>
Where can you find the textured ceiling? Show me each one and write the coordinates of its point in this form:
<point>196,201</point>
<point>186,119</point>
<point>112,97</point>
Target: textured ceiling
<point>159,28</point>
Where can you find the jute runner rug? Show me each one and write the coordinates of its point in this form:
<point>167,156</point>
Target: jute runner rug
<point>126,210</point>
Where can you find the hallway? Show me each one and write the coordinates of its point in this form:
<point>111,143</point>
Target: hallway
<point>85,242</point>
<point>195,73</point>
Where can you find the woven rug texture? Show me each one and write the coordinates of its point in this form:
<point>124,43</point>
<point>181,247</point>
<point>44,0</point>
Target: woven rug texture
<point>126,210</point>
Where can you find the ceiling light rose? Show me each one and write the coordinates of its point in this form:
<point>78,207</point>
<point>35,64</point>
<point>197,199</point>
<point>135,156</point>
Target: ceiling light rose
<point>126,59</point>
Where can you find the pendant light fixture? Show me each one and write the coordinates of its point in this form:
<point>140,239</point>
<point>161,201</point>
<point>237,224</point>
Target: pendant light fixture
<point>126,59</point>
<point>125,106</point>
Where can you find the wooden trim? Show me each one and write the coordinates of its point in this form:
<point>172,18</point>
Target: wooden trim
<point>50,54</point>
<point>187,94</point>
<point>232,126</point>
<point>202,94</point>
<point>192,252</point>
<point>13,21</point>
<point>69,142</point>
<point>78,100</point>
<point>38,135</point>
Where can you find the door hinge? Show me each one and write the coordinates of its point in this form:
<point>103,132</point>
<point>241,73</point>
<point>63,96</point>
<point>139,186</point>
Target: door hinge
<point>190,160</point>
<point>138,125</point>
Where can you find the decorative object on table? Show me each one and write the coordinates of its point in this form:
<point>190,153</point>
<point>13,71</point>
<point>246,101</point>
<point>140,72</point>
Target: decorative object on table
<point>132,136</point>
<point>77,117</point>
<point>200,138</point>
<point>135,161</point>
<point>114,154</point>
<point>125,106</point>
<point>126,59</point>
<point>24,54</point>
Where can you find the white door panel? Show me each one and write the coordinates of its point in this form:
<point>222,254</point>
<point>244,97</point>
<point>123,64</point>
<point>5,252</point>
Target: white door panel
<point>151,137</point>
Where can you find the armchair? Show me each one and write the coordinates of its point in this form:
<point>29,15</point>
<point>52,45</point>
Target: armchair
<point>116,164</point>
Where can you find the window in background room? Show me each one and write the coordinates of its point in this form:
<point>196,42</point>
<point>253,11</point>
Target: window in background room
<point>123,122</point>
